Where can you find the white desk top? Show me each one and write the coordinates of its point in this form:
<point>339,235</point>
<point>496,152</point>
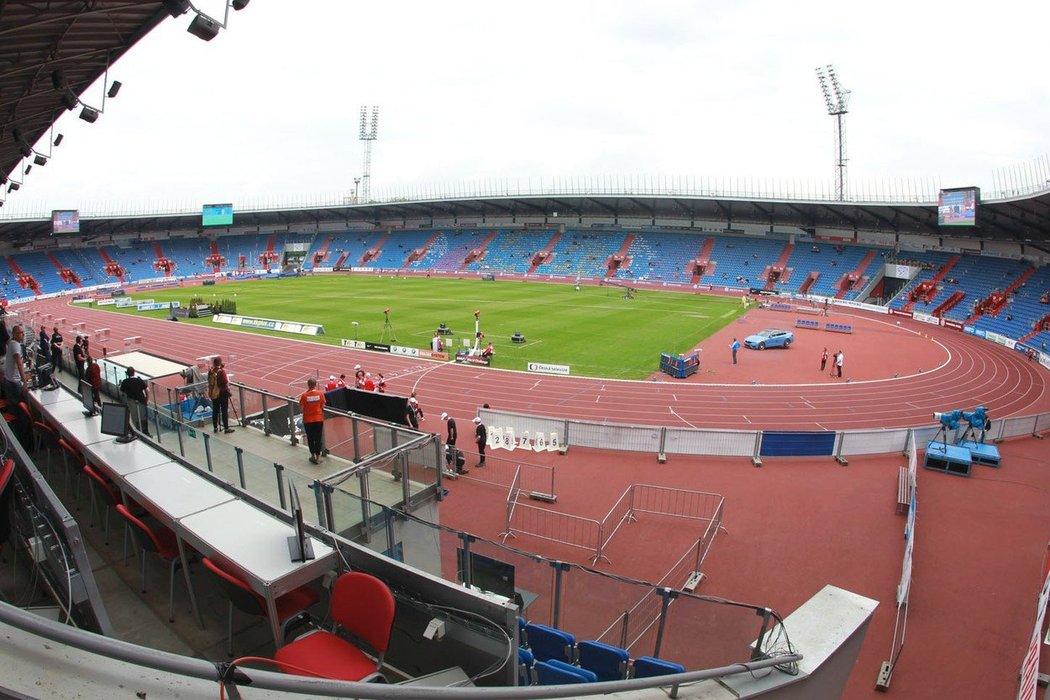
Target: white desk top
<point>51,397</point>
<point>63,411</point>
<point>123,459</point>
<point>174,490</point>
<point>255,544</point>
<point>82,430</point>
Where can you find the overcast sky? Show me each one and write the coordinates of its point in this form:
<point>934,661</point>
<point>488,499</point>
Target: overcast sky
<point>486,92</point>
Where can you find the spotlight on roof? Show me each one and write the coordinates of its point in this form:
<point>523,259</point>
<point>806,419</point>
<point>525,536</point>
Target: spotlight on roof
<point>69,101</point>
<point>239,4</point>
<point>40,160</point>
<point>58,139</point>
<point>203,27</point>
<point>14,186</point>
<point>176,7</point>
<point>89,114</point>
<point>28,168</point>
<point>58,79</point>
<point>25,149</point>
<point>114,89</point>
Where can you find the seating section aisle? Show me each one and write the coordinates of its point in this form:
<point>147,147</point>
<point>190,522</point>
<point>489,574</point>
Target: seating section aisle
<point>662,257</point>
<point>740,262</point>
<point>349,246</point>
<point>831,261</point>
<point>930,261</point>
<point>978,277</point>
<point>581,253</point>
<point>398,247</point>
<point>449,250</point>
<point>1024,309</point>
<point>510,251</point>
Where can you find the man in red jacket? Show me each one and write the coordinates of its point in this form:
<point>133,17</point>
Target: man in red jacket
<point>312,404</point>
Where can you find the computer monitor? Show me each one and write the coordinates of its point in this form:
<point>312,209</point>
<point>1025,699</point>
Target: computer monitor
<point>87,398</point>
<point>299,545</point>
<point>116,421</point>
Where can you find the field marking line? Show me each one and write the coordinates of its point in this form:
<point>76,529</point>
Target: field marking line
<point>746,418</point>
<point>679,417</point>
<point>538,381</point>
<point>423,374</point>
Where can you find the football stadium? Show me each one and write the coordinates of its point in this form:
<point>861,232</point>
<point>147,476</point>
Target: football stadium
<point>647,438</point>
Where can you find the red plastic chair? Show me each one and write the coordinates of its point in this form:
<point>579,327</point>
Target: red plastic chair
<point>363,606</point>
<point>74,463</point>
<point>290,606</point>
<point>160,541</point>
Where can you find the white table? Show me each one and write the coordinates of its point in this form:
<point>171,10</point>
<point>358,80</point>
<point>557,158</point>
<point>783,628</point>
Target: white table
<point>51,397</point>
<point>82,430</point>
<point>254,544</point>
<point>124,458</point>
<point>171,491</point>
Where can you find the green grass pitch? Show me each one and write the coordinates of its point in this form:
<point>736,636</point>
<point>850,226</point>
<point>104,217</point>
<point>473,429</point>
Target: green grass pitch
<point>594,330</point>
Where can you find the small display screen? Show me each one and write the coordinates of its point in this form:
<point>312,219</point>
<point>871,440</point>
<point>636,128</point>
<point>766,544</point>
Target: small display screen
<point>65,221</point>
<point>217,215</point>
<point>958,207</point>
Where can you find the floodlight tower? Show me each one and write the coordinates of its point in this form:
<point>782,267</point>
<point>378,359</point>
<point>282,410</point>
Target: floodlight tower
<point>837,101</point>
<point>369,130</point>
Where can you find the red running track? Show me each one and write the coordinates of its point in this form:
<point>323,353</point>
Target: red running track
<point>937,370</point>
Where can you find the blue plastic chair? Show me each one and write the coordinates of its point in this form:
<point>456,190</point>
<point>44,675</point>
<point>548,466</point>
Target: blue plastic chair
<point>649,666</point>
<point>526,666</point>
<point>608,663</point>
<point>548,643</point>
<point>556,672</point>
<point>523,638</point>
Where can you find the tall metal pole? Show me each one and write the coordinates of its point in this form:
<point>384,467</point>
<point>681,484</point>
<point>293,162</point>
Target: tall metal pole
<point>369,131</point>
<point>836,98</point>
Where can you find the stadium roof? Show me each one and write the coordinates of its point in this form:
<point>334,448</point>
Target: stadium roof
<point>79,38</point>
<point>1022,220</point>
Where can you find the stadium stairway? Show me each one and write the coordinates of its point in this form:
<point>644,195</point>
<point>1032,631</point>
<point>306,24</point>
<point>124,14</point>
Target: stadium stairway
<point>374,251</point>
<point>935,280</point>
<point>476,255</point>
<point>416,252</point>
<point>66,273</point>
<point>544,254</point>
<point>619,260</point>
<point>857,276</point>
<point>320,255</point>
<point>781,263</point>
<point>702,261</point>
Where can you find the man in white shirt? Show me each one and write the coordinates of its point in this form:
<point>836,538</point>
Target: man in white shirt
<point>14,370</point>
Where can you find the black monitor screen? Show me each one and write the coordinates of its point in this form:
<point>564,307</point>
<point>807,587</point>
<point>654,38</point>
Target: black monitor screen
<point>489,574</point>
<point>114,419</point>
<point>87,396</point>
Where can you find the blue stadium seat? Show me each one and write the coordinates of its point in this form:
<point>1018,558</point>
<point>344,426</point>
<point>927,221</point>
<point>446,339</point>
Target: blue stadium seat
<point>650,666</point>
<point>556,672</point>
<point>608,663</point>
<point>548,643</point>
<point>526,667</point>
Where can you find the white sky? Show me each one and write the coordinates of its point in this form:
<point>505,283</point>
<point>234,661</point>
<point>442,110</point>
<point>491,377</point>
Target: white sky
<point>484,92</point>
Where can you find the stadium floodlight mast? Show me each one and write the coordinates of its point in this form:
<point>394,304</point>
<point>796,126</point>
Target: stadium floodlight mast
<point>368,133</point>
<point>837,100</point>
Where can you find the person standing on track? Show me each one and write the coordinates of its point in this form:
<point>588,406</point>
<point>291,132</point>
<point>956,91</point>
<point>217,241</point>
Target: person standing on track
<point>734,346</point>
<point>823,359</point>
<point>838,364</point>
<point>312,404</point>
<point>481,437</point>
<point>451,453</point>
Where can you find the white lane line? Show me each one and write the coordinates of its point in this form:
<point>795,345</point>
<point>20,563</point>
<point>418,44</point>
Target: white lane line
<point>675,413</point>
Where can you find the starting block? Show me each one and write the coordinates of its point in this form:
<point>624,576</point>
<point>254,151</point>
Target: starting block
<point>980,453</point>
<point>950,459</point>
<point>133,343</point>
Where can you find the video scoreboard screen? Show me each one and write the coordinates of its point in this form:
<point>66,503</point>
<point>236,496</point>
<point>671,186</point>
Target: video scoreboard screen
<point>65,221</point>
<point>958,206</point>
<point>217,215</point>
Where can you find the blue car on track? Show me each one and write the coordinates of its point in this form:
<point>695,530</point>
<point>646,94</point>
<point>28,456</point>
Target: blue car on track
<point>769,338</point>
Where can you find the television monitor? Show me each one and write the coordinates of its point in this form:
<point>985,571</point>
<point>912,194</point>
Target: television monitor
<point>65,221</point>
<point>958,206</point>
<point>116,421</point>
<point>217,215</point>
<point>87,398</point>
<point>488,574</point>
<point>299,545</point>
